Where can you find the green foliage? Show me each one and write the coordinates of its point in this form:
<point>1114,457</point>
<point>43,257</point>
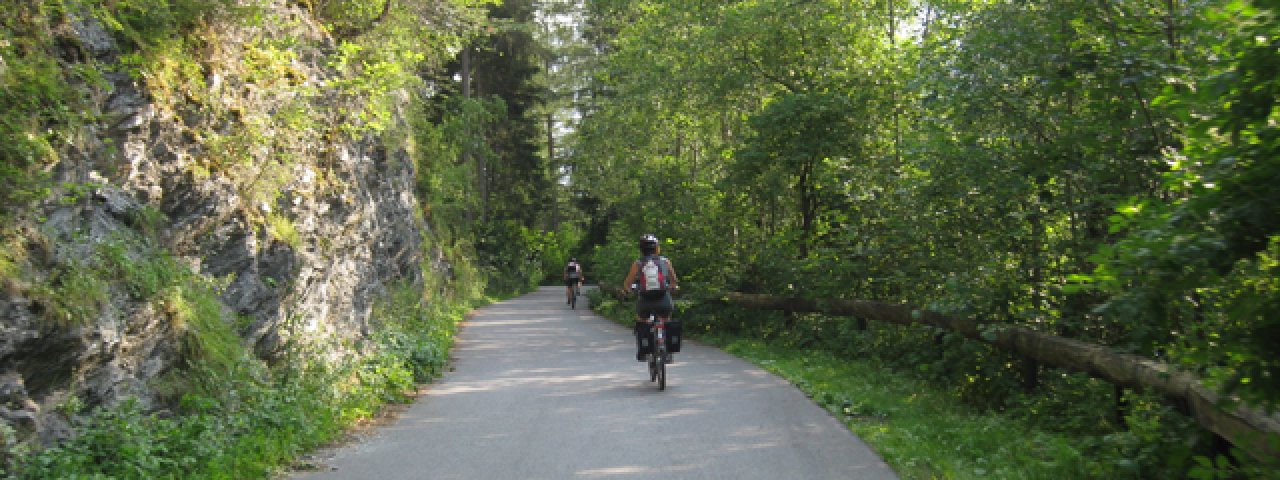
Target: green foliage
<point>171,71</point>
<point>283,230</point>
<point>205,332</point>
<point>243,430</point>
<point>349,16</point>
<point>143,23</point>
<point>481,174</point>
<point>505,68</point>
<point>40,102</point>
<point>555,249</point>
<point>415,332</point>
<point>445,180</point>
<point>1201,269</point>
<point>8,440</point>
<point>612,260</point>
<point>916,427</point>
<point>143,274</point>
<point>800,141</point>
<point>511,253</point>
<point>122,434</point>
<point>1158,442</point>
<point>970,157</point>
<point>74,295</point>
<point>381,53</point>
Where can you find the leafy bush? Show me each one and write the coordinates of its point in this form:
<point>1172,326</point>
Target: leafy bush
<point>511,254</point>
<point>415,333</point>
<point>242,431</point>
<point>612,260</point>
<point>144,23</point>
<point>556,248</point>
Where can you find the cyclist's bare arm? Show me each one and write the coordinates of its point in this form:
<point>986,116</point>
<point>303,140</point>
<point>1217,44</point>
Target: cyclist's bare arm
<point>631,277</point>
<point>675,279</point>
<point>627,287</point>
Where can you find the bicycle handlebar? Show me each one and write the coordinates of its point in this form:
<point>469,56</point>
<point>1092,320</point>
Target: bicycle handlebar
<point>631,292</point>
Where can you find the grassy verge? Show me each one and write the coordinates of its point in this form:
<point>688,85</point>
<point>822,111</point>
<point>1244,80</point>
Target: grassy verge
<point>918,429</point>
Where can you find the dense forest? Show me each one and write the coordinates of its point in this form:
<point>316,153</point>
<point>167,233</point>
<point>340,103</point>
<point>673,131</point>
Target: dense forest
<point>1104,172</point>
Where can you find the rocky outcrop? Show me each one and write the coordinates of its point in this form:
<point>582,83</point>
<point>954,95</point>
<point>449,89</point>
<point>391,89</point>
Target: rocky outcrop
<point>345,205</point>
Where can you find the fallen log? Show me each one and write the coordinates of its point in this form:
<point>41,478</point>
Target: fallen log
<point>1250,429</point>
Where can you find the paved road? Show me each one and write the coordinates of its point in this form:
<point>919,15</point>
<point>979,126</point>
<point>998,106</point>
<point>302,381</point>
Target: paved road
<point>544,392</point>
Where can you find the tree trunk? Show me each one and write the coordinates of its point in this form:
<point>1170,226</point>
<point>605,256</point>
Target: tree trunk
<point>467,152</point>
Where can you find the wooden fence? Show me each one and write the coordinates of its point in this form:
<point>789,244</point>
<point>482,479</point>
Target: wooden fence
<point>1250,429</point>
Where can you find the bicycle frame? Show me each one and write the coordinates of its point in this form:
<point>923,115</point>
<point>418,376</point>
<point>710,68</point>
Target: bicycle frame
<point>659,335</point>
<point>658,353</point>
<point>574,292</point>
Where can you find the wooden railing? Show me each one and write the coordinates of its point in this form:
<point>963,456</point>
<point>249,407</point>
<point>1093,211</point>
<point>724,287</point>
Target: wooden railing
<point>1250,429</point>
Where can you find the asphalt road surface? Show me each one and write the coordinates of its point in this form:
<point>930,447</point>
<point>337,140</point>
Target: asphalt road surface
<point>544,392</point>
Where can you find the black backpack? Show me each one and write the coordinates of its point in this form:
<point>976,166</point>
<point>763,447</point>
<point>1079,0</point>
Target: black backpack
<point>572,270</point>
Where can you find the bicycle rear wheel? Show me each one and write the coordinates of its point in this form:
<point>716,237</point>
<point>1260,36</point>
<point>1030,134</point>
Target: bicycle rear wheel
<point>653,367</point>
<point>662,369</point>
<point>573,302</point>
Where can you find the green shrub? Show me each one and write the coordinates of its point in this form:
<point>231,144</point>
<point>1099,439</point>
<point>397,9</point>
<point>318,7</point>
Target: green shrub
<point>414,333</point>
<point>73,295</point>
<point>510,252</point>
<point>232,426</point>
<point>39,106</point>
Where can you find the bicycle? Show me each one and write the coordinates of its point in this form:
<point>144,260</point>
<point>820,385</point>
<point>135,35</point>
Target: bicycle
<point>573,299</point>
<point>658,356</point>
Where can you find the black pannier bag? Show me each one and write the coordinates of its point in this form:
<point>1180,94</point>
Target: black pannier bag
<point>673,336</point>
<point>642,337</point>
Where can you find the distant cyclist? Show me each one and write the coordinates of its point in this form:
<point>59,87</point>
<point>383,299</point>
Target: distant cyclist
<point>653,279</point>
<point>572,278</point>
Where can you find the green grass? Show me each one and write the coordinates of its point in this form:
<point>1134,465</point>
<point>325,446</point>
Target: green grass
<point>920,431</point>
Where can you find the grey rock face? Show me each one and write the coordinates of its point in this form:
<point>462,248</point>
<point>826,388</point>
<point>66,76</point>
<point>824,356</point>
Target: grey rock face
<point>357,232</point>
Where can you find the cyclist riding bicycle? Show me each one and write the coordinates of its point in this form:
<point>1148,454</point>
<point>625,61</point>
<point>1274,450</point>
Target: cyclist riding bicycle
<point>653,279</point>
<point>572,278</point>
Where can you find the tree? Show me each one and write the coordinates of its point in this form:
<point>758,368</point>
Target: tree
<point>1204,267</point>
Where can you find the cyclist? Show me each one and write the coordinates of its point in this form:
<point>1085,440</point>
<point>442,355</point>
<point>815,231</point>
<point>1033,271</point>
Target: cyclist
<point>650,300</point>
<point>572,278</point>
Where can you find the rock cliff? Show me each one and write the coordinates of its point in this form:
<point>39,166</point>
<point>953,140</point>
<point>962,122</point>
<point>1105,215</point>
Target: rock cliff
<point>248,174</point>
